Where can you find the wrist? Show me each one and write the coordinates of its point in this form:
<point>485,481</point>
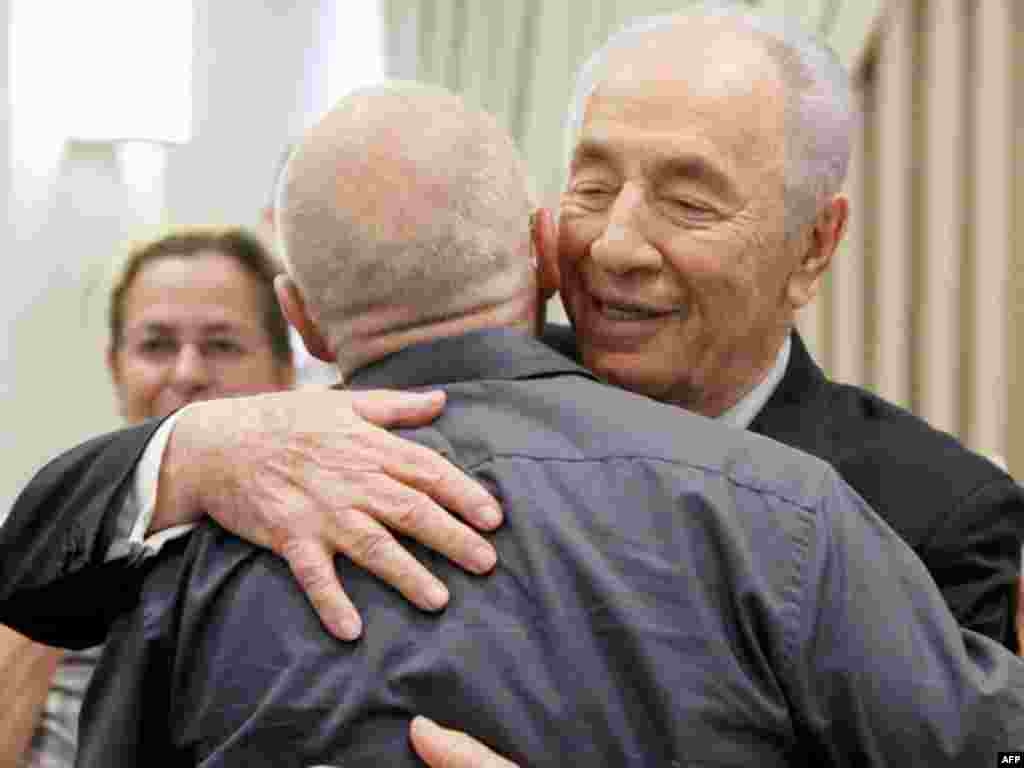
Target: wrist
<point>177,490</point>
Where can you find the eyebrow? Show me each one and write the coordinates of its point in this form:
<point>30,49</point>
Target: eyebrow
<point>590,151</point>
<point>208,330</point>
<point>221,328</point>
<point>684,165</point>
<point>699,169</point>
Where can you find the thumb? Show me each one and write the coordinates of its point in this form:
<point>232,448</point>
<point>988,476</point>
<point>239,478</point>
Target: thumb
<point>443,748</point>
<point>388,408</point>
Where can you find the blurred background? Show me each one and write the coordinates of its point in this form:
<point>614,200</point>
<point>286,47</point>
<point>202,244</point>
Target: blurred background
<point>124,117</point>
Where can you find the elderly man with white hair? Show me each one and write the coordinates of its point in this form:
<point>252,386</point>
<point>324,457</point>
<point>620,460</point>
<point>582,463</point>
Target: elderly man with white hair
<point>701,211</point>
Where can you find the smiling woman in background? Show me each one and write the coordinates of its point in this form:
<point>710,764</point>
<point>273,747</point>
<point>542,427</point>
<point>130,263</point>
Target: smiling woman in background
<point>192,317</point>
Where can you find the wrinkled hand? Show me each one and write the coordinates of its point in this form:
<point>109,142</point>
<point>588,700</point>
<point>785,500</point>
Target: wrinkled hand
<point>443,748</point>
<point>307,475</point>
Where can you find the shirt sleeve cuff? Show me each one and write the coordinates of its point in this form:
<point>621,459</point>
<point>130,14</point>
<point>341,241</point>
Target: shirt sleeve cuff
<point>140,502</point>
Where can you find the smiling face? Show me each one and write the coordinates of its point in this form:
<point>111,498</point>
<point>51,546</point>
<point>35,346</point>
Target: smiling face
<point>672,249</point>
<point>192,331</point>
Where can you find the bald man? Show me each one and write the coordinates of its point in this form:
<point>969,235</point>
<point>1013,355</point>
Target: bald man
<point>671,590</point>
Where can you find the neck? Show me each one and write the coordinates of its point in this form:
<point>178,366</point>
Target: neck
<point>746,376</point>
<point>355,350</point>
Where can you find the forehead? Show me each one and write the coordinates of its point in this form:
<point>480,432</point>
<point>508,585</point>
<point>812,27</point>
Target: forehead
<point>679,92</point>
<point>206,289</point>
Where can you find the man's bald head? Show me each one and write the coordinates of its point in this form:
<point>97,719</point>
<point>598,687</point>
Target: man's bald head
<point>404,207</point>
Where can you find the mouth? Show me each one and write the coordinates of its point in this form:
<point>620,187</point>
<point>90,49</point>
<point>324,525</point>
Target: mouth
<point>625,326</point>
<point>628,312</point>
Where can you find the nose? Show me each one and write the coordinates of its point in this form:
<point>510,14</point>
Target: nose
<point>191,374</point>
<point>622,247</point>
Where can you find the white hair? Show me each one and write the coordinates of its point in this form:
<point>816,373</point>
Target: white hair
<point>819,115</point>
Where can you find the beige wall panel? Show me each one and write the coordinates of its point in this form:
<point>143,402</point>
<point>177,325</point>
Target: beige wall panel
<point>545,93</point>
<point>506,23</point>
<point>848,297</point>
<point>890,357</point>
<point>476,48</point>
<point>811,322</point>
<point>1015,406</point>
<point>444,55</point>
<point>937,351</point>
<point>992,155</point>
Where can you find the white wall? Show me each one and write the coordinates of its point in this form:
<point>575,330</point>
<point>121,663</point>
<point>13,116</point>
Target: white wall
<point>5,146</point>
<point>73,206</point>
<point>5,116</point>
<point>252,93</point>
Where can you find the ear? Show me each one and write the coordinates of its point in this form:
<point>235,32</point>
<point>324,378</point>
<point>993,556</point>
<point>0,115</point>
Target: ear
<point>827,233</point>
<point>294,308</point>
<point>544,237</point>
<point>112,364</point>
<point>268,219</point>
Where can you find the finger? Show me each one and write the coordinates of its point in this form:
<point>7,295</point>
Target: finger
<point>387,408</point>
<point>414,514</point>
<point>427,471</point>
<point>443,748</point>
<point>313,567</point>
<point>371,546</point>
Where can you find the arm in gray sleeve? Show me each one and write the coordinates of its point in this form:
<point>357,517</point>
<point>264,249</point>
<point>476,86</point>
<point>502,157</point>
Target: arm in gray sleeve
<point>882,674</point>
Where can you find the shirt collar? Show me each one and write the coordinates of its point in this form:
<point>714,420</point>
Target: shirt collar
<point>502,353</point>
<point>494,353</point>
<point>745,411</point>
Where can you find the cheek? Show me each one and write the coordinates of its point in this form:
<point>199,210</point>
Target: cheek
<point>138,385</point>
<point>720,277</point>
<point>575,239</point>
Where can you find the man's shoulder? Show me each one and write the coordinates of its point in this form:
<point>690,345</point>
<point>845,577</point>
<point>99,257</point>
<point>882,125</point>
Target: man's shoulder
<point>571,419</point>
<point>875,432</point>
<point>888,454</point>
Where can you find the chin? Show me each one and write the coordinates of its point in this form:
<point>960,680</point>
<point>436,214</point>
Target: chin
<point>626,372</point>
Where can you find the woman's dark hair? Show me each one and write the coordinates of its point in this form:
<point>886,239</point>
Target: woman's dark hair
<point>235,243</point>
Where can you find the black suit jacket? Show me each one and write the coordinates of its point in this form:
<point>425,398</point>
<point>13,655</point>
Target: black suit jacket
<point>961,514</point>
<point>55,583</point>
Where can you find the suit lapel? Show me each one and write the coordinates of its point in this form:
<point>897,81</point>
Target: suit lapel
<point>798,411</point>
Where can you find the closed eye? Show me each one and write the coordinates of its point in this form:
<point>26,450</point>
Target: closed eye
<point>689,209</point>
<point>591,196</point>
